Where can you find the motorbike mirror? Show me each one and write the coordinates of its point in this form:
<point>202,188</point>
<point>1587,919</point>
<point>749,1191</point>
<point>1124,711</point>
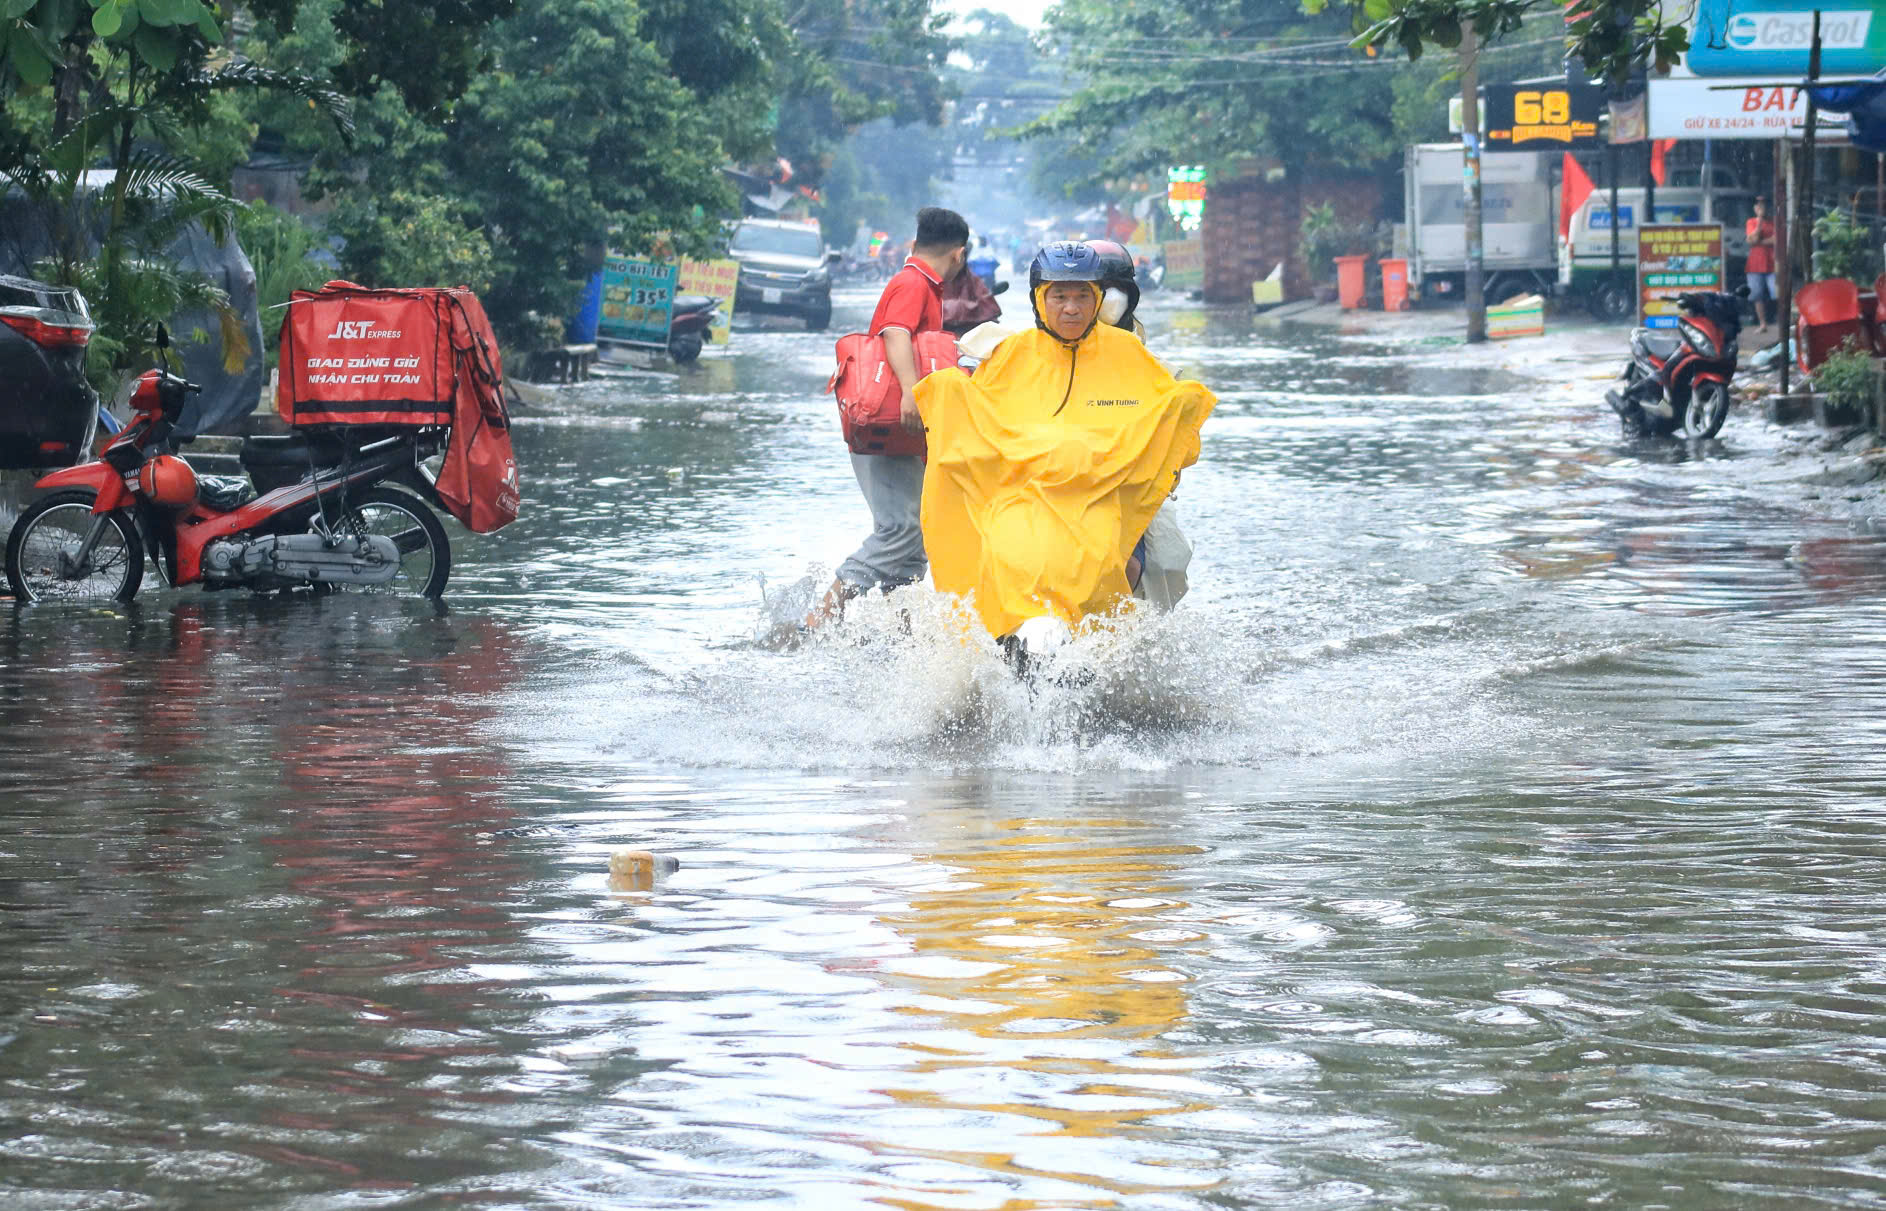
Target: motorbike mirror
<point>162,337</point>
<point>833,256</point>
<point>999,288</point>
<point>1741,292</point>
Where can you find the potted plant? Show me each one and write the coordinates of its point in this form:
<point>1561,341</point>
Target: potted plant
<point>1844,248</point>
<point>1324,237</point>
<point>1845,384</point>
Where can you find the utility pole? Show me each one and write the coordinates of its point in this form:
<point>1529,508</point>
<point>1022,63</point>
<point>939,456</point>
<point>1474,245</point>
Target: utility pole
<point>1801,221</point>
<point>1470,180</point>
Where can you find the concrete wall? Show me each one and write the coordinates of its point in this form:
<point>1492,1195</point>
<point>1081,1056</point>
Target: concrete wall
<point>1253,223</point>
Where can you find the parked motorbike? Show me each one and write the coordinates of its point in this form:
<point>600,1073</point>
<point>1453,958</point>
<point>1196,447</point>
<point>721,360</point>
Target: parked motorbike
<point>688,325</point>
<point>313,509</point>
<point>1678,380</point>
<point>46,406</point>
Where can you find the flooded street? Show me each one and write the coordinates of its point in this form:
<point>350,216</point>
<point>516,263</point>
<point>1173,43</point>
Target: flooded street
<point>1495,825</point>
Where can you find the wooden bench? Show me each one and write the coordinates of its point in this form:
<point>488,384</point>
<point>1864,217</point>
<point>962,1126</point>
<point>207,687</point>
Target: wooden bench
<point>565,364</point>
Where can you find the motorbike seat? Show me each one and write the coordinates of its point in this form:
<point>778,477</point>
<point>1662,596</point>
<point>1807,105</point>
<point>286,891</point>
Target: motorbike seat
<point>290,450</point>
<point>224,492</point>
<point>693,302</point>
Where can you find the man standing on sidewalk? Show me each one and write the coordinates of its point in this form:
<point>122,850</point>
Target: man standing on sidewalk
<point>892,555</point>
<point>1760,273</point>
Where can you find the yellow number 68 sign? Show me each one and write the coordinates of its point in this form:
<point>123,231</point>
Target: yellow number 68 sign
<point>1549,107</point>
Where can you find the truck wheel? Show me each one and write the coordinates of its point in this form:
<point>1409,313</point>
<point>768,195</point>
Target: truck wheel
<point>820,320</point>
<point>1612,301</point>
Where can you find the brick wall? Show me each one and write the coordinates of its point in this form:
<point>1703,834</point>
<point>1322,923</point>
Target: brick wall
<point>1251,224</point>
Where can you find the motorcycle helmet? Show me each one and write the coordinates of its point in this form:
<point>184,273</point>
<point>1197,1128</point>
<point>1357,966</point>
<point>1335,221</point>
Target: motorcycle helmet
<point>1062,261</point>
<point>168,480</point>
<point>1119,281</point>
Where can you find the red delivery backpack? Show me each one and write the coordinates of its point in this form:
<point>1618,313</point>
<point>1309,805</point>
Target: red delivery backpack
<point>869,395</point>
<point>354,356</point>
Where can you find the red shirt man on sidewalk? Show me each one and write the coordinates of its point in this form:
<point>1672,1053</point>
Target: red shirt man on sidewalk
<point>1760,271</point>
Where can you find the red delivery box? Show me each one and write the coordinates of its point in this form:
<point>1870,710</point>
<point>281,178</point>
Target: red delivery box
<point>354,356</point>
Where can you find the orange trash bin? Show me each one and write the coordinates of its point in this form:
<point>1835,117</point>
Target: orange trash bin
<point>1395,285</point>
<point>1349,281</point>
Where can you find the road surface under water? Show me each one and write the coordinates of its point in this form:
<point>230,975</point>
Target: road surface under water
<point>1496,825</point>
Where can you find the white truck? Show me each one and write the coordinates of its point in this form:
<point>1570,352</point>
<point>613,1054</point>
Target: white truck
<point>1518,221</point>
<point>1585,258</point>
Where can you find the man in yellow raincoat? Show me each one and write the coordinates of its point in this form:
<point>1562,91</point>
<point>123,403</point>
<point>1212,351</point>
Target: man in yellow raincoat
<point>1046,467</point>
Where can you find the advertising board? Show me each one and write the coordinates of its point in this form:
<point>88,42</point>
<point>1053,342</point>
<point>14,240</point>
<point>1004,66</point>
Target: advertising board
<point>1734,81</point>
<point>1772,37</point>
<point>637,300</point>
<point>1185,264</point>
<point>716,280</point>
<point>1673,259</point>
<point>1526,117</point>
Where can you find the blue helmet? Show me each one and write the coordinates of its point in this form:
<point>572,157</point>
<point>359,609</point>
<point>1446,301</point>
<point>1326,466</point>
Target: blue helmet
<point>1065,261</point>
<point>1062,261</point>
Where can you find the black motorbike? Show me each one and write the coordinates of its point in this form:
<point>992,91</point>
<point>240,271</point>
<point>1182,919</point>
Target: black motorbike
<point>688,325</point>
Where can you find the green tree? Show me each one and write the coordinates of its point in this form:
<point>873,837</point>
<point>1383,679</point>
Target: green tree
<point>429,51</point>
<point>1614,38</point>
<point>101,102</point>
<point>1206,81</point>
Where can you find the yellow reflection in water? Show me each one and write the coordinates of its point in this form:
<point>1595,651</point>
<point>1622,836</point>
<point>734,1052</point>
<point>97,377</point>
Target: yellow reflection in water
<point>1048,966</point>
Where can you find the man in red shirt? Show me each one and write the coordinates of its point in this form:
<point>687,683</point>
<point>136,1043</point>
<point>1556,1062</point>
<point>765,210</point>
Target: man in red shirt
<point>912,302</point>
<point>1761,263</point>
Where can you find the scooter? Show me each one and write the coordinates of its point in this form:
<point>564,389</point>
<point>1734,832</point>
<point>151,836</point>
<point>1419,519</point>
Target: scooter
<point>1679,380</point>
<point>688,325</point>
<point>324,516</point>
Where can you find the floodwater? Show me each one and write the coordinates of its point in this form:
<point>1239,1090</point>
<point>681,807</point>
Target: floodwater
<point>1497,824</point>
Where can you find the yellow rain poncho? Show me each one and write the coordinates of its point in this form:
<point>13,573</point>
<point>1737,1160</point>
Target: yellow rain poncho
<point>1045,469</point>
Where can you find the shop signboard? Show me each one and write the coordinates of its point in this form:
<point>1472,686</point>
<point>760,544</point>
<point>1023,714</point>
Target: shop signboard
<point>1185,265</point>
<point>1696,107</point>
<point>1673,259</point>
<point>1735,80</point>
<point>1772,38</point>
<point>716,280</point>
<point>637,300</point>
<point>1527,117</point>
<point>1185,196</point>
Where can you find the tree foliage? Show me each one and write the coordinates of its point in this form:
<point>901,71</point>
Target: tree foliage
<point>1613,38</point>
<point>489,141</point>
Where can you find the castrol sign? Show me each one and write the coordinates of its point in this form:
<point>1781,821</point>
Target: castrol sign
<point>365,357</point>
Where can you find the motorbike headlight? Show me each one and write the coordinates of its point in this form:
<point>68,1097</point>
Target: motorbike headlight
<point>1697,337</point>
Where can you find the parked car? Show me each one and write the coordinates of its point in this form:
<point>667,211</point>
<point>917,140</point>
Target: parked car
<point>785,269</point>
<point>48,412</point>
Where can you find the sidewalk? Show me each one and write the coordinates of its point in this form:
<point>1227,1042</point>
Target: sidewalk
<point>1833,472</point>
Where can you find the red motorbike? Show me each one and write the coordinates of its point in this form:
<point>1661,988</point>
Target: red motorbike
<point>312,509</point>
<point>1679,380</point>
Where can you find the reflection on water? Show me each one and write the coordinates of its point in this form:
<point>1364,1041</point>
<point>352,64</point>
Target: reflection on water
<point>1494,826</point>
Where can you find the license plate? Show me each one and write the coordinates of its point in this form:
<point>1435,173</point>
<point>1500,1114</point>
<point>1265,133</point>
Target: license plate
<point>769,295</point>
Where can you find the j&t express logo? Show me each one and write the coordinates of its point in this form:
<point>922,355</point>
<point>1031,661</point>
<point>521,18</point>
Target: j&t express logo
<point>354,330</point>
<point>1795,31</point>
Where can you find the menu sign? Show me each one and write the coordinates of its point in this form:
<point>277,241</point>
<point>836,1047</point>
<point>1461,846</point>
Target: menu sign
<point>637,299</point>
<point>1673,259</point>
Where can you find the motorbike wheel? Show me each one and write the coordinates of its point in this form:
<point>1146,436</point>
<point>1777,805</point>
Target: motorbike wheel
<point>56,525</point>
<point>1709,407</point>
<point>685,348</point>
<point>425,554</point>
